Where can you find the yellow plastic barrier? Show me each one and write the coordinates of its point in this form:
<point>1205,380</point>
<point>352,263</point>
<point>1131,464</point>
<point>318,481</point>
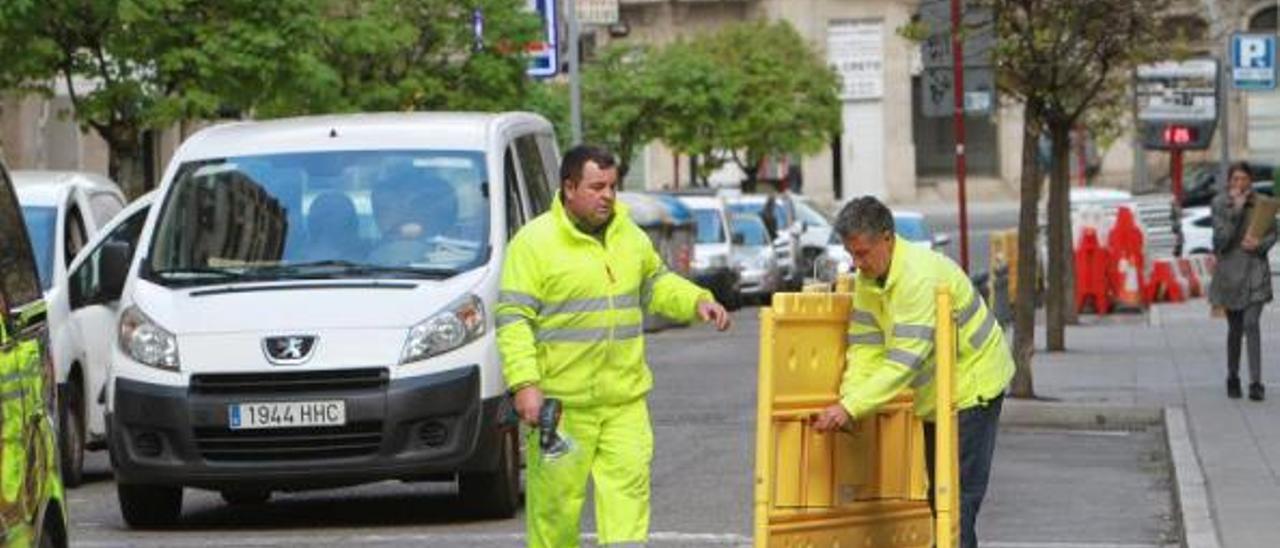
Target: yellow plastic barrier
<point>865,486</point>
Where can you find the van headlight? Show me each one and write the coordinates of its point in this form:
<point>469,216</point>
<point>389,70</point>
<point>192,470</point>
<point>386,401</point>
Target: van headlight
<point>146,342</point>
<point>459,324</point>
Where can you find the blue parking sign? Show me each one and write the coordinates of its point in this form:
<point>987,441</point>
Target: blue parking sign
<point>1253,61</point>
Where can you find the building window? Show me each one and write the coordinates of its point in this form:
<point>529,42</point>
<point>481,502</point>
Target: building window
<point>935,141</point>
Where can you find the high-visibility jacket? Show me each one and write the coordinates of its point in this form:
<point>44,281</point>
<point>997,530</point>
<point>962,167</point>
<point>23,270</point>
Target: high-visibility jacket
<point>570,315</point>
<point>891,336</point>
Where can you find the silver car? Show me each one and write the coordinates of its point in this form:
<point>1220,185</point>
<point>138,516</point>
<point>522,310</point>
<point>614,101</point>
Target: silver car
<point>755,258</point>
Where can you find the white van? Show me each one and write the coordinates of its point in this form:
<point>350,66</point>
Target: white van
<point>310,306</point>
<point>62,210</point>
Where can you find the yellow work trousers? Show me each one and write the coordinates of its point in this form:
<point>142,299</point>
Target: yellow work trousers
<point>613,445</point>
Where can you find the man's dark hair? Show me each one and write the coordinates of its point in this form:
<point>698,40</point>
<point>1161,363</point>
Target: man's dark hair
<point>577,157</point>
<point>864,215</point>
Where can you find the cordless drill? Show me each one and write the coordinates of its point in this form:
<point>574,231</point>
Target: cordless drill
<point>553,445</point>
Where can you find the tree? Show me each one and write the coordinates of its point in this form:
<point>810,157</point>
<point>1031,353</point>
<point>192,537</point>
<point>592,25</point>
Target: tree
<point>1062,61</point>
<point>387,55</point>
<point>130,66</point>
<point>622,101</point>
<point>787,100</point>
<point>700,97</point>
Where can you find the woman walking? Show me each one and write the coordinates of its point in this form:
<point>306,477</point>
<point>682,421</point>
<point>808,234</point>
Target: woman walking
<point>1242,279</point>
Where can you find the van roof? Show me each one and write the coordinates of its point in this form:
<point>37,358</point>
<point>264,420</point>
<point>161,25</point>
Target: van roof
<point>370,131</point>
<point>50,188</point>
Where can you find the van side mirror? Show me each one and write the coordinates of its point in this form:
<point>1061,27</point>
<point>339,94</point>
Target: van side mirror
<point>739,238</point>
<point>115,266</point>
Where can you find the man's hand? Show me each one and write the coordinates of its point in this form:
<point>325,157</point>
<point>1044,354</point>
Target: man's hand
<point>1249,243</point>
<point>1238,199</point>
<point>712,312</point>
<point>528,404</point>
<point>834,417</point>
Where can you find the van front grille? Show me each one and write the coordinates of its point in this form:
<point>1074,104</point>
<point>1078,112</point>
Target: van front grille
<point>290,382</point>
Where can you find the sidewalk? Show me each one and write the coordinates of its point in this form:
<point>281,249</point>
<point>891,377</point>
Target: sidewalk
<point>1175,356</point>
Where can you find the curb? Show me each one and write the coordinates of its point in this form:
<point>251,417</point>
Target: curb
<point>1198,527</point>
<point>1078,416</point>
<point>1189,492</point>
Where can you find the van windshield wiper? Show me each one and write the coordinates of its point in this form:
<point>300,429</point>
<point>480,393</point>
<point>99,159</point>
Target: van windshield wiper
<point>343,269</point>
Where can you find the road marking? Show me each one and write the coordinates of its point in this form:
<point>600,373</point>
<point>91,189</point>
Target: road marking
<point>417,539</point>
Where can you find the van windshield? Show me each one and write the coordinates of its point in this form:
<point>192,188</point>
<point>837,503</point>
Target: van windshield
<point>333,214</point>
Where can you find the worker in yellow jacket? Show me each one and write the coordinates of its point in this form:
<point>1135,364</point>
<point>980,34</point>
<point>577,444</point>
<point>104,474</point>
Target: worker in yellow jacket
<point>891,334</point>
<point>575,284</point>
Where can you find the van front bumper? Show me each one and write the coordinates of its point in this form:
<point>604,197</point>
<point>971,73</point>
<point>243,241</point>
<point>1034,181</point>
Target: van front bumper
<point>408,429</point>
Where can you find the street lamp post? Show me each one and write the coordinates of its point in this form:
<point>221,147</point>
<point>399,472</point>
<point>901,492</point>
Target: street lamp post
<point>575,77</point>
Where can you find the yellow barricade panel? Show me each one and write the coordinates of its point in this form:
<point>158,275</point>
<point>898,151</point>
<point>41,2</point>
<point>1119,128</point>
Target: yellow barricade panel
<point>861,487</point>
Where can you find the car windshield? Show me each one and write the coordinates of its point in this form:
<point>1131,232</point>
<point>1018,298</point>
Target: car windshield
<point>710,230</point>
<point>335,214</point>
<point>911,228</point>
<point>41,222</point>
<point>751,230</point>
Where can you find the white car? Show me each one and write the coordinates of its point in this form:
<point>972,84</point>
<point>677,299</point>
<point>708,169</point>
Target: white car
<point>712,247</point>
<point>909,225</point>
<point>789,228</point>
<point>62,211</point>
<point>1197,230</point>
<point>755,258</point>
<point>310,305</point>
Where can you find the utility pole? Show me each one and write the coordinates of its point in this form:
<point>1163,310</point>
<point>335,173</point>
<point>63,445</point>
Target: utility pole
<point>575,77</point>
<point>957,56</point>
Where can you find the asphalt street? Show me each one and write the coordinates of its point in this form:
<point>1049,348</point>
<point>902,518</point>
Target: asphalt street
<point>1051,488</point>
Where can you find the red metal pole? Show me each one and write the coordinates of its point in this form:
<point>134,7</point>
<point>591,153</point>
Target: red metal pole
<point>1175,173</point>
<point>957,62</point>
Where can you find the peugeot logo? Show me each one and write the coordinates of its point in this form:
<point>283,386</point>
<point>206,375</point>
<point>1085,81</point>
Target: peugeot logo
<point>290,349</point>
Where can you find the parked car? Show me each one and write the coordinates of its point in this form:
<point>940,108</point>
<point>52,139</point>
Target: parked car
<point>755,258</point>
<point>32,501</point>
<point>786,239</point>
<point>670,226</point>
<point>910,226</point>
<point>816,228</point>
<point>62,211</point>
<point>309,306</point>
<point>713,247</point>
<point>1197,230</point>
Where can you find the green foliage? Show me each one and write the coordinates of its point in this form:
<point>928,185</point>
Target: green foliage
<point>1075,56</point>
<point>145,64</point>
<point>748,91</point>
<point>379,55</point>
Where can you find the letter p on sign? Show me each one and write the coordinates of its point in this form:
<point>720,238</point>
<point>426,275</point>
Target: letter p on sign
<point>1253,61</point>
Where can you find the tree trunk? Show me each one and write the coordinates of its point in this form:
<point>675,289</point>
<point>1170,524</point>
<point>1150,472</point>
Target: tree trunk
<point>1024,335</point>
<point>124,167</point>
<point>1059,239</point>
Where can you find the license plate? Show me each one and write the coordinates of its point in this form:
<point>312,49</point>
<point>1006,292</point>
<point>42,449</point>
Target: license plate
<point>292,414</point>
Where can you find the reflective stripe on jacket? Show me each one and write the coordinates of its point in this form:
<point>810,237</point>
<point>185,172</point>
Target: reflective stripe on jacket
<point>891,335</point>
<point>570,314</point>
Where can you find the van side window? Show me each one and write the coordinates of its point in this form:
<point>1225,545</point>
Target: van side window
<point>533,167</point>
<point>74,236</point>
<point>85,280</point>
<point>550,158</point>
<point>18,280</point>
<point>511,182</point>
